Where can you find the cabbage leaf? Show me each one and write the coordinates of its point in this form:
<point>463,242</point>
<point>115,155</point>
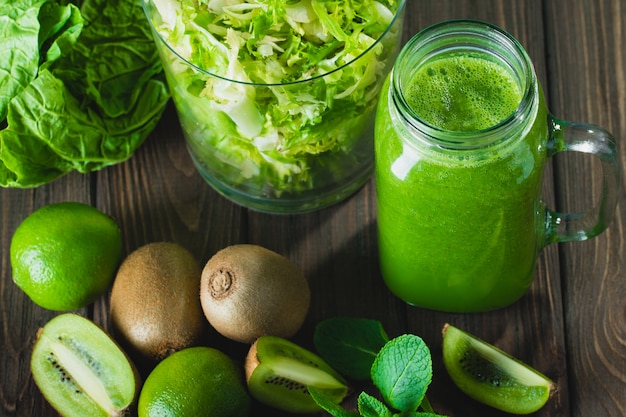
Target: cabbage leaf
<point>81,87</point>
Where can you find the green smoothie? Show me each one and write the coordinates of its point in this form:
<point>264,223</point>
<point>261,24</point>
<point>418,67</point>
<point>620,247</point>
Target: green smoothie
<point>463,93</point>
<point>458,229</point>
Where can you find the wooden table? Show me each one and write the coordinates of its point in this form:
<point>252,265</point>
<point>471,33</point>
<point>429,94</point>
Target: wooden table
<point>572,323</point>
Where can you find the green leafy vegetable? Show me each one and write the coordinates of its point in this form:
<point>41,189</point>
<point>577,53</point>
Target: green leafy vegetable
<point>370,406</point>
<point>278,93</point>
<point>401,368</point>
<point>350,345</point>
<point>402,372</point>
<point>323,400</point>
<point>81,87</point>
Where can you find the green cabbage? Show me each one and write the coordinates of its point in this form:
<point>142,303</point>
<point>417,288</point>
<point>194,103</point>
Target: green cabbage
<point>81,86</point>
<point>307,76</point>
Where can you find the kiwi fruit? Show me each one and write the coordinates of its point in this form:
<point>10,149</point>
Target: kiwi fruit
<point>279,372</point>
<point>81,371</point>
<point>248,291</point>
<point>492,376</point>
<point>155,303</point>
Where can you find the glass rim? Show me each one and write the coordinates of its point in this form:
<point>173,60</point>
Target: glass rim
<point>400,10</point>
<point>461,139</point>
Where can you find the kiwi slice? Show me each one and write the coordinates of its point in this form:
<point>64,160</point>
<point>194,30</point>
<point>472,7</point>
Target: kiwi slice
<point>80,370</point>
<point>492,376</point>
<point>278,373</point>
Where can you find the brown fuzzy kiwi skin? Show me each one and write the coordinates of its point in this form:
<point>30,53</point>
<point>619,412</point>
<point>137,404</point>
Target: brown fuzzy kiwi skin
<point>248,291</point>
<point>154,305</point>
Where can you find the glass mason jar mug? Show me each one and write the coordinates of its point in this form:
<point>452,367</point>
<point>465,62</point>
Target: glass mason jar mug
<point>276,99</point>
<point>461,139</point>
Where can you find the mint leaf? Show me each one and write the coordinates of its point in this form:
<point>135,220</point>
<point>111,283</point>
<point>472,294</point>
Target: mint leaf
<point>372,407</point>
<point>402,372</point>
<point>350,345</point>
<point>329,405</point>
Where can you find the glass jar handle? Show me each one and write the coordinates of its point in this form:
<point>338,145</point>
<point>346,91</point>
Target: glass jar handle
<point>594,140</point>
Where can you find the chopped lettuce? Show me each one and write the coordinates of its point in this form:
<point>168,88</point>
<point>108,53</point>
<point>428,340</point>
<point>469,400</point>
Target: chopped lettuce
<point>279,92</point>
<point>81,86</point>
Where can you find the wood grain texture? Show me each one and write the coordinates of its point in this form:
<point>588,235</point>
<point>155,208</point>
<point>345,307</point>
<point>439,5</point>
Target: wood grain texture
<point>588,84</point>
<point>572,323</point>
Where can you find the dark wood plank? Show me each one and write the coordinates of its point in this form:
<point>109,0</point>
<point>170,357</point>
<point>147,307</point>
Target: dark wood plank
<point>588,84</point>
<point>158,195</point>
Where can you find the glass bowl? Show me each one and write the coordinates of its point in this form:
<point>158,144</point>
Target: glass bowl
<point>277,99</point>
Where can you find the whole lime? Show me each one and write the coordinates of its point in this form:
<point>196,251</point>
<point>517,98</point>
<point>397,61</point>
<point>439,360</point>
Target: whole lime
<point>195,382</point>
<point>65,255</point>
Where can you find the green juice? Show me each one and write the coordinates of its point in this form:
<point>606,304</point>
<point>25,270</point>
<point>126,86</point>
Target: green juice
<point>463,93</point>
<point>458,228</point>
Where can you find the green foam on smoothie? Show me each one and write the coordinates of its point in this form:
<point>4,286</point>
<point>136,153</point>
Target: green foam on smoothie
<point>463,93</point>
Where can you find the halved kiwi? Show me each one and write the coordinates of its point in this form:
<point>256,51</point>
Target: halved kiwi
<point>492,376</point>
<point>81,371</point>
<point>278,373</point>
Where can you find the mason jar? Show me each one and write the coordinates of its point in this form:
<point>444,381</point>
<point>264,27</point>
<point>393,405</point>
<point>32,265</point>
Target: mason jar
<point>462,137</point>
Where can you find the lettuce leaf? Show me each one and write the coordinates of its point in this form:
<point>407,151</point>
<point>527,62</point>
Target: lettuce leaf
<point>81,87</point>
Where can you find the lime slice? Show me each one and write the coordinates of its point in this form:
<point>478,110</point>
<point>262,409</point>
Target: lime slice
<point>492,376</point>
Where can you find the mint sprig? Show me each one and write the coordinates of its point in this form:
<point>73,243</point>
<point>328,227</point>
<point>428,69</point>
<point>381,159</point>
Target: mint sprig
<point>401,368</point>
